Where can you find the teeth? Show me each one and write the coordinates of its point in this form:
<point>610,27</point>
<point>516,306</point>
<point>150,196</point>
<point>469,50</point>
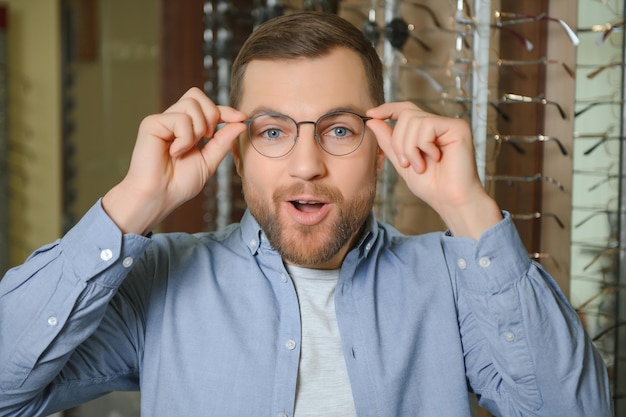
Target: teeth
<point>308,202</point>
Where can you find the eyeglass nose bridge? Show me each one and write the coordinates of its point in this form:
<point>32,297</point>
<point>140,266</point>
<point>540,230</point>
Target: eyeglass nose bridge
<point>306,122</point>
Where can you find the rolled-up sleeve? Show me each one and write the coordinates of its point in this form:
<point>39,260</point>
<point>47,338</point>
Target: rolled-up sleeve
<point>525,349</point>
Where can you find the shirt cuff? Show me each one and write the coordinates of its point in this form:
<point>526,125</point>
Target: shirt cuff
<point>95,243</point>
<point>493,262</point>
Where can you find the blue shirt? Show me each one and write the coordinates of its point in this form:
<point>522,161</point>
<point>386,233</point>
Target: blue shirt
<point>208,325</point>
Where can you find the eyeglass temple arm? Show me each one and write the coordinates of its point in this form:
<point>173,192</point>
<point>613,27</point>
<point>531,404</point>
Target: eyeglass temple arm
<point>602,68</point>
<point>524,18</point>
<point>539,215</point>
<point>530,139</point>
<point>529,178</point>
<point>596,145</point>
<point>517,98</point>
<point>428,11</point>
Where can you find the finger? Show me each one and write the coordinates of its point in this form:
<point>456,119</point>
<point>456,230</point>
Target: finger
<point>216,149</point>
<point>406,138</point>
<point>399,139</point>
<point>401,114</point>
<point>214,114</point>
<point>193,118</point>
<point>206,115</point>
<point>416,133</point>
<point>420,144</point>
<point>382,131</point>
<point>167,128</point>
<point>384,134</point>
<point>392,111</point>
<point>183,134</point>
<point>230,115</point>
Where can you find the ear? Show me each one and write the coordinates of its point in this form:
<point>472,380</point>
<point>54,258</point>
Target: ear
<point>380,161</point>
<point>237,157</point>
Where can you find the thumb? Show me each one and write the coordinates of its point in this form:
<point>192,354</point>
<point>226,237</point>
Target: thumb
<point>384,133</point>
<point>220,144</point>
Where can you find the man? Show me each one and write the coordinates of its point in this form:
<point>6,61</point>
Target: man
<point>309,307</point>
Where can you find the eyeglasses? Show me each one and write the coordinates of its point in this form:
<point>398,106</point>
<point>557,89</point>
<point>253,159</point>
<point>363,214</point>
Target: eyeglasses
<point>525,178</point>
<point>604,67</point>
<point>606,29</point>
<point>515,139</point>
<point>338,133</point>
<point>608,176</point>
<point>603,138</point>
<point>597,103</point>
<point>538,215</point>
<point>508,18</point>
<point>543,60</point>
<point>540,99</point>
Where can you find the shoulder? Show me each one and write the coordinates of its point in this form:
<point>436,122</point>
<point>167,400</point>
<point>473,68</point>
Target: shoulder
<point>392,238</point>
<point>178,245</point>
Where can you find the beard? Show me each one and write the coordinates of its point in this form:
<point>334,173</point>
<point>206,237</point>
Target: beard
<point>309,246</point>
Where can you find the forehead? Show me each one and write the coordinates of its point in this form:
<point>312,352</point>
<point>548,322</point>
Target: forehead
<point>306,87</point>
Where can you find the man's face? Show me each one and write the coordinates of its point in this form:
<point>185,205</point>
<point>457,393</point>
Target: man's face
<point>310,204</point>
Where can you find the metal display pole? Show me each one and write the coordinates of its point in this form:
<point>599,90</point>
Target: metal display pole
<point>480,76</point>
<point>224,46</point>
<point>619,382</point>
<point>219,40</point>
<point>388,178</point>
<point>218,45</point>
<point>396,34</point>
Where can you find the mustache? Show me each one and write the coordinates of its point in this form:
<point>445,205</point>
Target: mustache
<point>329,193</point>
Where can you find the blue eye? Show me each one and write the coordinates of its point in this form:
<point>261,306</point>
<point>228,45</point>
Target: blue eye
<point>272,133</point>
<point>340,132</point>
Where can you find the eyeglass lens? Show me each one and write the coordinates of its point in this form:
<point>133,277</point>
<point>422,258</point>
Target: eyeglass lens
<point>274,135</point>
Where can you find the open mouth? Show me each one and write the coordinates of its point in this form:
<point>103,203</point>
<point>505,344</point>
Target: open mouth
<point>308,210</point>
<point>307,206</point>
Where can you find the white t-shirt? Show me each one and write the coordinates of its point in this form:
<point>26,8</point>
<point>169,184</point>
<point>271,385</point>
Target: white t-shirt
<point>323,388</point>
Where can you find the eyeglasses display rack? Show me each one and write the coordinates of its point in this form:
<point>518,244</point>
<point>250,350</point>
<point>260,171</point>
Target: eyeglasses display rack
<point>218,55</point>
<point>598,267</point>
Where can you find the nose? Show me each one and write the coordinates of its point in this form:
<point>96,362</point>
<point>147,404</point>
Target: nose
<point>307,158</point>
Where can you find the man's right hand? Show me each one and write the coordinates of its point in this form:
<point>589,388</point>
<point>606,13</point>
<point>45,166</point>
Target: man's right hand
<point>167,167</point>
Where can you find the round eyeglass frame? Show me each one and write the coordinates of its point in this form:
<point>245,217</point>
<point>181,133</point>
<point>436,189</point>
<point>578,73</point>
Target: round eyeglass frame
<point>249,121</point>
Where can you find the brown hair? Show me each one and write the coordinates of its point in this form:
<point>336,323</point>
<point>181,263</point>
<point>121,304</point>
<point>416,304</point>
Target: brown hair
<point>306,34</point>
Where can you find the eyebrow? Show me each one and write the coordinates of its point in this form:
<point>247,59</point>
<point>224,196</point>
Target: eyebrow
<point>264,109</point>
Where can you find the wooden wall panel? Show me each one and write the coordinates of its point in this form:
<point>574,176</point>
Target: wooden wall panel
<point>181,66</point>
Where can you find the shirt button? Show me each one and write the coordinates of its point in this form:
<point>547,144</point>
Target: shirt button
<point>291,344</point>
<point>461,263</point>
<point>106,254</point>
<point>52,321</point>
<point>509,336</point>
<point>281,415</point>
<point>253,243</point>
<point>284,278</point>
<point>484,262</point>
<point>368,246</point>
<point>127,262</point>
